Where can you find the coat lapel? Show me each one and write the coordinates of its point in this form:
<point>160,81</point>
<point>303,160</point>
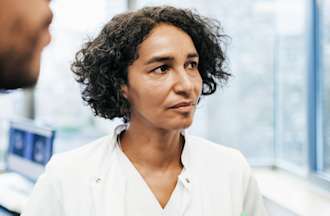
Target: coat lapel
<point>108,187</point>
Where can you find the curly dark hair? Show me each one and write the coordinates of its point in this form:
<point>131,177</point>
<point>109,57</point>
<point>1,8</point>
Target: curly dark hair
<point>101,66</point>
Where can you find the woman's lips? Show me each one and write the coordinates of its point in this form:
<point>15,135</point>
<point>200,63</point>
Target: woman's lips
<point>182,104</point>
<point>185,109</point>
<point>185,106</point>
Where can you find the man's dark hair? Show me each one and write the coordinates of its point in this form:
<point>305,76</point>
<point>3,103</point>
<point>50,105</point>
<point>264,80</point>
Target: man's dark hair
<point>101,66</point>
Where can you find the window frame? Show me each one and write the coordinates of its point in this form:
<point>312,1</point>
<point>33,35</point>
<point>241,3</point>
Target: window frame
<point>315,96</point>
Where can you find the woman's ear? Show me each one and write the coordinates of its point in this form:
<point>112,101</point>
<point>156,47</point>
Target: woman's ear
<point>124,91</point>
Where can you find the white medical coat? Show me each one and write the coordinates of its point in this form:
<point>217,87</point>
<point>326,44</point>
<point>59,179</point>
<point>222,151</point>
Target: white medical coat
<point>88,181</point>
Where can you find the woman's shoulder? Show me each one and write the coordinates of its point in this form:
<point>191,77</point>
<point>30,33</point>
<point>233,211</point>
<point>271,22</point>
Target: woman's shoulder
<point>217,155</point>
<point>81,159</point>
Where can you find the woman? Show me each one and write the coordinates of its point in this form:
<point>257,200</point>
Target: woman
<point>149,67</point>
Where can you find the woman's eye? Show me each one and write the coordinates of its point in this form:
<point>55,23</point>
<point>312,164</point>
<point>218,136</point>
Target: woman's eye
<point>192,65</point>
<point>161,69</point>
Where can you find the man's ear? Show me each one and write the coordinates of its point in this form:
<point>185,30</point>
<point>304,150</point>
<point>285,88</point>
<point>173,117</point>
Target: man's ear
<point>124,91</point>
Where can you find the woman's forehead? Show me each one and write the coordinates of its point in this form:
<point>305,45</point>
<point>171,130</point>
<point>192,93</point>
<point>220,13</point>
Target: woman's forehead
<point>166,40</point>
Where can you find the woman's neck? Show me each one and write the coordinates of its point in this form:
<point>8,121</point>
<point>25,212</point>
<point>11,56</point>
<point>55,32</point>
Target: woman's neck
<point>152,148</point>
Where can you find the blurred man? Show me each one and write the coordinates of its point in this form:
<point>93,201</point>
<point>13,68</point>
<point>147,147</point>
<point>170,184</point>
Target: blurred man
<point>23,34</point>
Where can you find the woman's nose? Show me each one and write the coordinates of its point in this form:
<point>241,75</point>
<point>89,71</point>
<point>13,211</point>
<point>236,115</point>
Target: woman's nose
<point>184,83</point>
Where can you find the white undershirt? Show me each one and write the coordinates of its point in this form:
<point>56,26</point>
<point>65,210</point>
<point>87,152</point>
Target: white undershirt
<point>140,200</point>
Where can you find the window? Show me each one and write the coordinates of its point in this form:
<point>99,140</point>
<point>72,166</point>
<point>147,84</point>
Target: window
<point>325,84</point>
<point>241,114</point>
<point>291,85</point>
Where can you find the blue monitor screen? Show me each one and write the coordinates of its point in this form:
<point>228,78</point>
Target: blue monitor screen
<point>30,148</point>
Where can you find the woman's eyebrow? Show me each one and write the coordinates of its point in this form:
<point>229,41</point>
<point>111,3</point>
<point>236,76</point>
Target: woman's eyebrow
<point>192,55</point>
<point>168,58</point>
<point>160,59</point>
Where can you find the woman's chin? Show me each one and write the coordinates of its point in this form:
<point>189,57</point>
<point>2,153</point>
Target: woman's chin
<point>179,125</point>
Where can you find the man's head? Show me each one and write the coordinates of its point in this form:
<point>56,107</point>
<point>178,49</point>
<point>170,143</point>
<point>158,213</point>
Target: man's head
<point>23,35</point>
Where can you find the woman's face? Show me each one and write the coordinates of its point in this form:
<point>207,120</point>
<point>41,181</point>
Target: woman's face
<point>164,83</point>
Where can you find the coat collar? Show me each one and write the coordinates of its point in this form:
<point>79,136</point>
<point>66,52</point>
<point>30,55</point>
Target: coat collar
<point>108,185</point>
